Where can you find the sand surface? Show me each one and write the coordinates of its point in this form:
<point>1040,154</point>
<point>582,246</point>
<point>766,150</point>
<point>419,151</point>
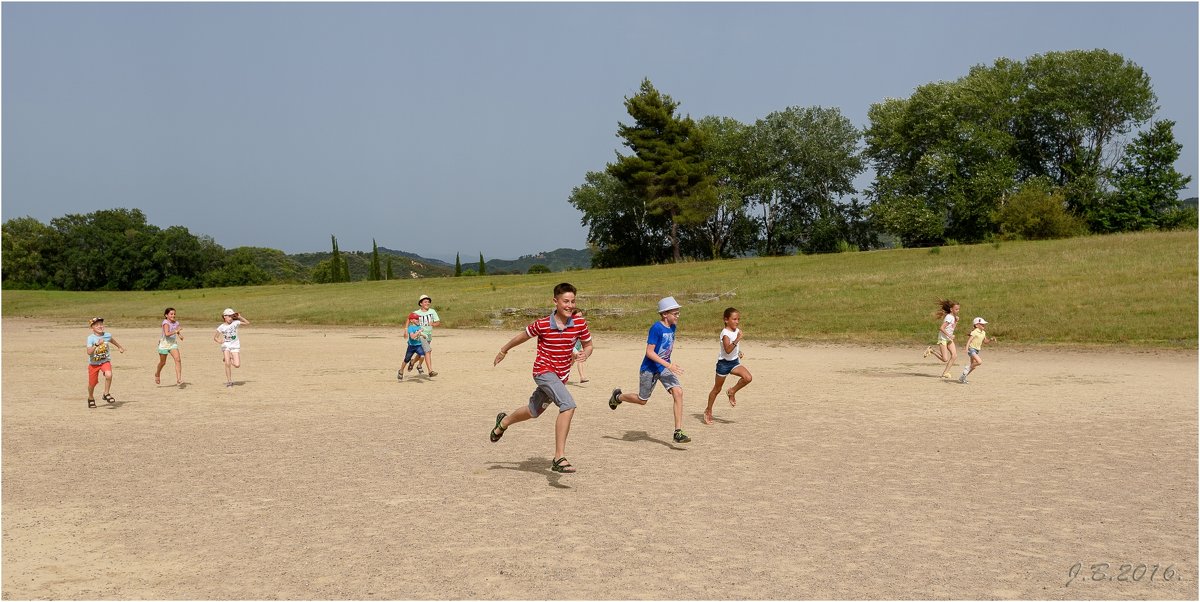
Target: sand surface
<point>844,472</point>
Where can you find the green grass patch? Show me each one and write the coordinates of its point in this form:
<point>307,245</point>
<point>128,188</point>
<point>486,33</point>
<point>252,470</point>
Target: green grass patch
<point>1137,290</point>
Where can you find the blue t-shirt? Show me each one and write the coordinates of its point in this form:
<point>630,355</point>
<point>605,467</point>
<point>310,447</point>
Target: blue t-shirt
<point>414,334</point>
<point>663,339</point>
<point>100,351</point>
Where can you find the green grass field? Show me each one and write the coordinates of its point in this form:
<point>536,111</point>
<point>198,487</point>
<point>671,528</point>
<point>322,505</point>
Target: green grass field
<point>1135,290</point>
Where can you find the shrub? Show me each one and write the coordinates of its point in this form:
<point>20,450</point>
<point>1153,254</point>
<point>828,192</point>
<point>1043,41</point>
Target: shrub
<point>1037,211</point>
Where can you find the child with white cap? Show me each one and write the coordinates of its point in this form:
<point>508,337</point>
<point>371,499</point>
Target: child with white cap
<point>657,367</point>
<point>428,318</point>
<point>974,344</point>
<point>231,346</point>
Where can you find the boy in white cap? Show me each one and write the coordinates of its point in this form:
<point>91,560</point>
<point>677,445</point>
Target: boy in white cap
<point>974,344</point>
<point>428,319</point>
<point>231,346</point>
<point>657,367</point>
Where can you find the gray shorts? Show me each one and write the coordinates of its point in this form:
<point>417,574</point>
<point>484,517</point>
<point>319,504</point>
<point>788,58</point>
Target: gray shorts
<point>425,346</point>
<point>550,389</point>
<point>646,382</point>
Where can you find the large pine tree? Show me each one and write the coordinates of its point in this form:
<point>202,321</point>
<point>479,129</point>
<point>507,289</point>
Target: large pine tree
<point>667,167</point>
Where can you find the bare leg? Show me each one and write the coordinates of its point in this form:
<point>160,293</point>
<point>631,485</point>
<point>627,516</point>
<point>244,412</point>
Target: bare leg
<point>712,397</point>
<point>162,361</point>
<point>107,381</point>
<point>632,398</point>
<point>562,426</point>
<point>677,394</point>
<point>228,370</point>
<point>952,353</point>
<point>178,367</point>
<point>745,379</point>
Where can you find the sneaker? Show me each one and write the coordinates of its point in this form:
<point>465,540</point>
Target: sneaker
<point>928,352</point>
<point>681,437</point>
<point>420,370</point>
<point>615,400</point>
<point>963,379</point>
<point>946,375</point>
<point>400,374</point>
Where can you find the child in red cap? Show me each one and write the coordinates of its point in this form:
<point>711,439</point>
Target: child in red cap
<point>415,352</point>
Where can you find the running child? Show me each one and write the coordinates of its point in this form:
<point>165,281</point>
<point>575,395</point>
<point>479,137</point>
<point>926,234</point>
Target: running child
<point>975,346</point>
<point>168,344</point>
<point>99,356</point>
<point>576,362</point>
<point>231,345</point>
<point>729,361</point>
<point>415,350</point>
<point>429,318</point>
<point>556,335</point>
<point>657,367</point>
<point>946,351</point>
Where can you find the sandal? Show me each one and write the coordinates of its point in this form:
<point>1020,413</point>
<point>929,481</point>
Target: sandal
<point>562,465</point>
<point>496,436</point>
<point>91,403</point>
<point>432,374</point>
<point>109,398</point>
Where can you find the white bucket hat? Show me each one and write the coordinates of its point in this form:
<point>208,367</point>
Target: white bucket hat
<point>228,312</point>
<point>422,298</point>
<point>667,304</point>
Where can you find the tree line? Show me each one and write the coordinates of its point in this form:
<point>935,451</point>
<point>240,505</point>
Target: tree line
<point>1032,149</point>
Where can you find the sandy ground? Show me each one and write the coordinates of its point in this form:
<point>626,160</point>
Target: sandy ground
<point>842,473</point>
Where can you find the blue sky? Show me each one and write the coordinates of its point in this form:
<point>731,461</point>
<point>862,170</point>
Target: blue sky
<point>439,128</point>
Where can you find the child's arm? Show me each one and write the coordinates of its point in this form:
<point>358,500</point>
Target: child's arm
<point>942,329</point>
<point>217,337</point>
<point>658,360</point>
<point>517,340</point>
<point>586,352</point>
<point>728,345</point>
<point>239,317</point>
<point>114,342</point>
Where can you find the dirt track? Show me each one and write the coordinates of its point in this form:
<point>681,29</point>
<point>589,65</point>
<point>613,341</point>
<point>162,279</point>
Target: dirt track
<point>843,473</point>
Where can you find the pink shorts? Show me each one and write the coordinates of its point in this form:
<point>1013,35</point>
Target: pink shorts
<point>94,372</point>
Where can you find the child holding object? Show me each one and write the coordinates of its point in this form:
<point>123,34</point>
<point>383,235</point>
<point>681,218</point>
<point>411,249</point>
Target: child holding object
<point>99,356</point>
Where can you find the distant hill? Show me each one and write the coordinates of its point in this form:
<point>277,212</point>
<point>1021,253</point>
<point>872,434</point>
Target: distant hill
<point>404,265</point>
<point>557,260</point>
<point>1192,202</point>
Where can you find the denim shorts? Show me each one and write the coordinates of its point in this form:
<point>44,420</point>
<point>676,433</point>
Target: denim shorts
<point>646,382</point>
<point>550,389</point>
<point>724,367</point>
<point>972,352</point>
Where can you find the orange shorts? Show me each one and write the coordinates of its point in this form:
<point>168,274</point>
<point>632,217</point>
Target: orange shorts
<point>94,372</point>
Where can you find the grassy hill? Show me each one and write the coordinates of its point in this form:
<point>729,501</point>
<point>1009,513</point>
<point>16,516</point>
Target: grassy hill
<point>558,260</point>
<point>1137,290</point>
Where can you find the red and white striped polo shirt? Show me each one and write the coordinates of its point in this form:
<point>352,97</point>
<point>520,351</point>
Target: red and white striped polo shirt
<point>554,346</point>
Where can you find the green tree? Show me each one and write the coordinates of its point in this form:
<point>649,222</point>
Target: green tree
<point>538,268</point>
<point>1072,107</point>
<point>238,269</point>
<point>667,166</point>
<point>1037,211</point>
<point>457,266</point>
<point>109,249</point>
<point>389,269</point>
<point>728,230</point>
<point>376,272</point>
<point>801,161</point>
<point>482,267</point>
<point>336,270</point>
<point>621,230</point>
<point>1147,184</point>
<point>29,252</point>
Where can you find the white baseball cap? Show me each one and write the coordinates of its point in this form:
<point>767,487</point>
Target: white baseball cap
<point>422,298</point>
<point>228,312</point>
<point>979,321</point>
<point>667,304</point>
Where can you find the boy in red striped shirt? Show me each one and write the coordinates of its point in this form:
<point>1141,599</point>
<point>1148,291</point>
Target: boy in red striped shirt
<point>556,335</point>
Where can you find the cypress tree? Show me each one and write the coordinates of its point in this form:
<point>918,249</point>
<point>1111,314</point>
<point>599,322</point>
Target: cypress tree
<point>389,268</point>
<point>457,266</point>
<point>482,267</point>
<point>335,264</point>
<point>376,273</point>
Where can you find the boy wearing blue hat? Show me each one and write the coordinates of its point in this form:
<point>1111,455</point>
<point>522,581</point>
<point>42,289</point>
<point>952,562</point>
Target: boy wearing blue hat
<point>657,367</point>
